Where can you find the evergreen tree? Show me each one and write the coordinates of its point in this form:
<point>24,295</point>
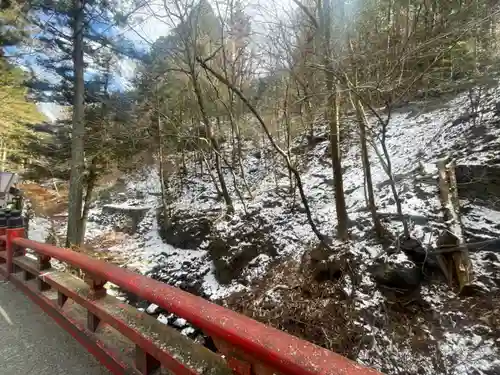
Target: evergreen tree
<point>74,36</point>
<point>17,112</point>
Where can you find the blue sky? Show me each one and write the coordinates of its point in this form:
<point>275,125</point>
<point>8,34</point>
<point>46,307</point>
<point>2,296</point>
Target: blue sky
<point>152,24</point>
<point>29,55</point>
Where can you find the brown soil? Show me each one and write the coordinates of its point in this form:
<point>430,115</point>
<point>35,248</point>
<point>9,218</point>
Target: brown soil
<point>46,202</point>
<point>98,247</point>
<point>324,314</point>
<point>53,204</point>
<point>294,302</point>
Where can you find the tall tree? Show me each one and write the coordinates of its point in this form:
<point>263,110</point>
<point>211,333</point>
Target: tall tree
<point>17,111</point>
<point>74,35</point>
<point>17,114</point>
<point>75,225</point>
<point>332,112</point>
<point>173,61</point>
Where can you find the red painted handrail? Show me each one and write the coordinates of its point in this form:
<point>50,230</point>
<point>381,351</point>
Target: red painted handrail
<point>275,349</point>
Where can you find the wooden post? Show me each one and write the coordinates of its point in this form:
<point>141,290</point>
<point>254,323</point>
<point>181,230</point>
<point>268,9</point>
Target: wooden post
<point>43,264</point>
<point>145,362</point>
<point>3,231</point>
<point>92,321</point>
<point>448,193</point>
<point>61,299</point>
<point>97,291</point>
<point>443,197</point>
<point>463,266</point>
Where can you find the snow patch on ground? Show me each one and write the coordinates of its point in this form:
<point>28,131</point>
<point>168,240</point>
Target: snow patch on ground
<point>39,228</point>
<point>416,140</point>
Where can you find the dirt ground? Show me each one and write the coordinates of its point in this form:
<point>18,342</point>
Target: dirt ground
<point>46,202</point>
<point>52,204</point>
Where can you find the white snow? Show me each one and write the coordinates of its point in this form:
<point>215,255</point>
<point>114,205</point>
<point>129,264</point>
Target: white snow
<point>162,319</point>
<point>468,353</point>
<point>415,140</point>
<point>125,206</point>
<point>39,228</point>
<point>216,291</point>
<point>179,323</point>
<point>152,309</point>
<point>188,331</point>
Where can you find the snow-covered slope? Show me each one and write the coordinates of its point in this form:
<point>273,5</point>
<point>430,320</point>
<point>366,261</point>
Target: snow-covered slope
<point>456,340</point>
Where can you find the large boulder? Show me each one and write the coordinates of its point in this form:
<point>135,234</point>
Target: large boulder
<point>187,274</point>
<point>121,217</point>
<point>233,250</point>
<point>185,230</point>
<point>481,182</point>
<point>398,273</point>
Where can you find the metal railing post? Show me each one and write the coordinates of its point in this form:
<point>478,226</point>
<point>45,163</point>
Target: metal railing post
<point>3,245</point>
<point>15,229</point>
<point>3,228</point>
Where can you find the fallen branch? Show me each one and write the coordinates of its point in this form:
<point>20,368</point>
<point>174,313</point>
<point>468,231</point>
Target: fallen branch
<point>418,219</point>
<point>472,246</point>
<point>486,245</point>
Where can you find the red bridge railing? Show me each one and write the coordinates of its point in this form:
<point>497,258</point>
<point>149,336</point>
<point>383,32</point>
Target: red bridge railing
<point>128,341</point>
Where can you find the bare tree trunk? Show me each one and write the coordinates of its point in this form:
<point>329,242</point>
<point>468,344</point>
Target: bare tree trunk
<point>235,181</point>
<point>332,116</point>
<point>309,113</point>
<point>3,158</point>
<point>283,154</point>
<point>385,161</point>
<point>209,171</point>
<point>237,149</point>
<point>286,117</point>
<point>240,160</point>
<point>91,179</point>
<point>333,119</point>
<point>164,189</point>
<point>73,237</point>
<point>214,143</point>
<point>229,71</point>
<point>365,158</point>
<point>388,170</point>
<point>385,158</point>
<point>91,182</point>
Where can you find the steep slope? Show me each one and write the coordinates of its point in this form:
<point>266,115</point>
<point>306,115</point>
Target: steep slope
<point>433,332</point>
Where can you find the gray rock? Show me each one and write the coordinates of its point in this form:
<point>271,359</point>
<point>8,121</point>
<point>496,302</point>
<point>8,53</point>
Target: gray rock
<point>232,251</point>
<point>185,230</point>
<point>152,309</point>
<point>397,271</point>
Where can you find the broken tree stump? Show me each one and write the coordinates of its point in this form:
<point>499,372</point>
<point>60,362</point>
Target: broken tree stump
<point>448,194</point>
